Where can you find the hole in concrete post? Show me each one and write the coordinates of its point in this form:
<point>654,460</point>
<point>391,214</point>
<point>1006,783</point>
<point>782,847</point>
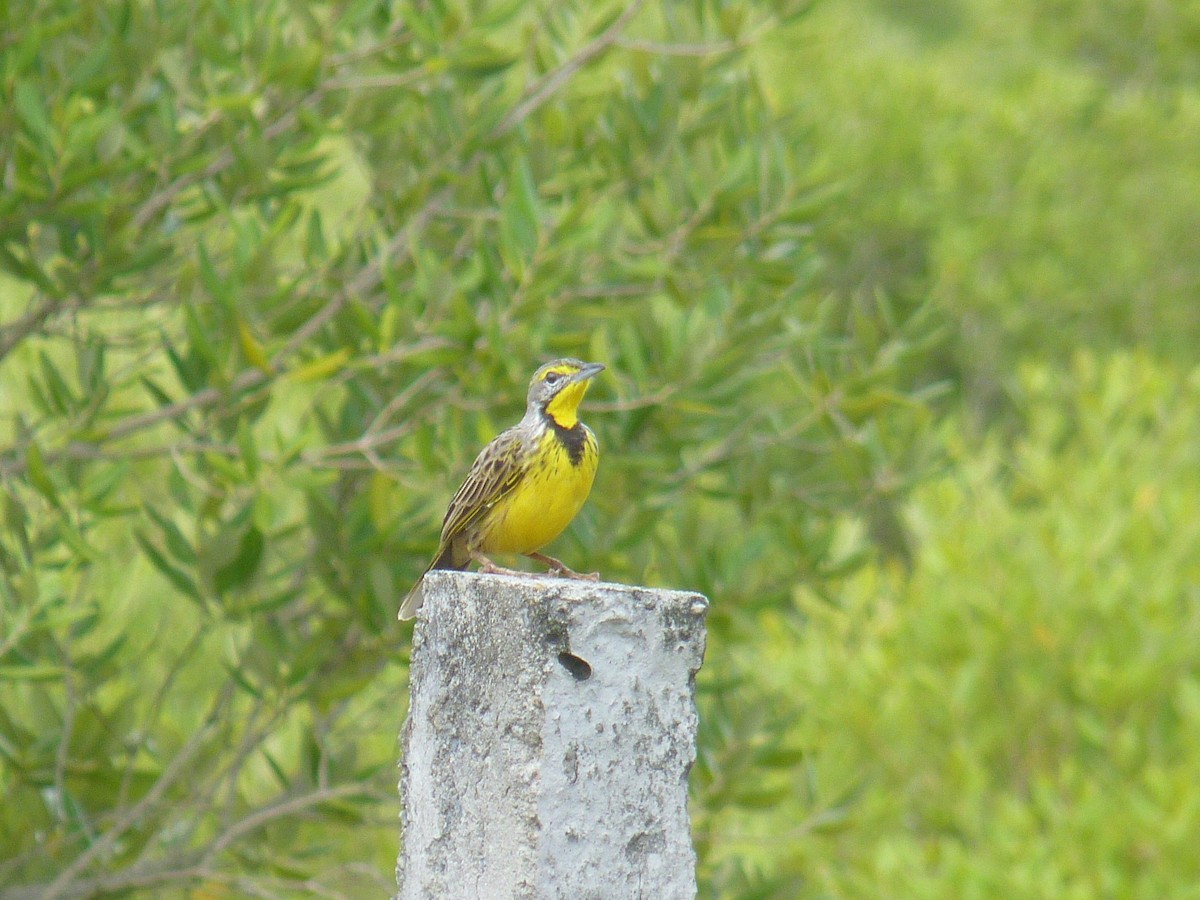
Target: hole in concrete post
<point>578,666</point>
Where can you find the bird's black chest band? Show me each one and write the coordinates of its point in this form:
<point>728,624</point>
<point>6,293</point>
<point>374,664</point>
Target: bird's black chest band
<point>573,439</point>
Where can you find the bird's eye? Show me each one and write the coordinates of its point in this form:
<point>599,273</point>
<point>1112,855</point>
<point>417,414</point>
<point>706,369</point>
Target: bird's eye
<point>552,377</point>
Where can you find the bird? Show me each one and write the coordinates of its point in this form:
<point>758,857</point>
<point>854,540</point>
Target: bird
<point>525,486</point>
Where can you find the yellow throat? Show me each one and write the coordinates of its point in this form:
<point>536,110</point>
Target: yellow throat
<point>564,407</point>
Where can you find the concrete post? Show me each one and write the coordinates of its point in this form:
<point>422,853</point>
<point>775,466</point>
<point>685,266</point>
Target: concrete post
<point>549,737</point>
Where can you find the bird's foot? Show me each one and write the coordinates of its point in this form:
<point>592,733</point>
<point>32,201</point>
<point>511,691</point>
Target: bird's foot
<point>487,567</point>
<point>560,569</point>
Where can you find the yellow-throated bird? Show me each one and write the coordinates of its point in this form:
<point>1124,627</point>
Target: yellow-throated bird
<point>527,484</point>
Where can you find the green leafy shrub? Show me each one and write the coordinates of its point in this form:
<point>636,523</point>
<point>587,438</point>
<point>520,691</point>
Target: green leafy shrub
<point>1027,166</point>
<point>1021,717</point>
<point>272,274</point>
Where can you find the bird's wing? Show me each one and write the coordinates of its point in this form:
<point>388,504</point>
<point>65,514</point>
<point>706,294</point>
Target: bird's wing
<point>496,471</point>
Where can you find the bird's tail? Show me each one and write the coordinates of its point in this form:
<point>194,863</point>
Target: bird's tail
<point>412,601</point>
<point>415,597</point>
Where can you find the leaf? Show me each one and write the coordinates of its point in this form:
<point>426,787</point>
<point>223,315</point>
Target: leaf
<point>96,663</point>
<point>160,396</point>
<point>191,372</point>
<point>781,757</point>
<point>178,545</point>
<point>240,679</point>
<point>198,334</point>
<point>238,571</point>
<point>320,368</point>
<point>758,797</point>
<point>252,349</point>
<point>249,448</point>
<point>38,476</point>
<point>90,364</point>
<point>32,672</point>
<point>381,501</point>
<point>15,520</point>
<point>31,108</point>
<point>481,58</point>
<point>520,217</point>
<point>60,392</point>
<point>101,481</point>
<point>170,572</point>
<point>388,327</point>
<point>214,284</point>
<point>315,248</point>
<point>74,539</point>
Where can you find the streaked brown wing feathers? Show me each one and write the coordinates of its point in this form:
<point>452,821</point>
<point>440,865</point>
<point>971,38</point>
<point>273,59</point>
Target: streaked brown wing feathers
<point>495,472</point>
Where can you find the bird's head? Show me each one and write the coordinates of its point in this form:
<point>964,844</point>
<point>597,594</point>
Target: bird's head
<point>557,387</point>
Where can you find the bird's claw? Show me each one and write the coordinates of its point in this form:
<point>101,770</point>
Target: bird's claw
<point>578,576</point>
<point>559,569</point>
<point>487,567</point>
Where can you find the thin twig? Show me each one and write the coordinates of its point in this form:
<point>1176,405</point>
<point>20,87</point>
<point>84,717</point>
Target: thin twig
<point>173,772</point>
<point>552,81</point>
<point>361,82</point>
<point>12,333</point>
<point>62,756</point>
<point>368,278</point>
<point>660,49</point>
<point>287,807</point>
<point>156,704</point>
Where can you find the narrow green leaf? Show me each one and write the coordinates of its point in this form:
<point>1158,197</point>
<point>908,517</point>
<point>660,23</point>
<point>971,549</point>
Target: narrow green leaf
<point>160,396</point>
<point>177,544</point>
<point>521,213</point>
<point>252,348</point>
<point>248,447</point>
<point>74,539</point>
<point>320,368</point>
<point>314,239</point>
<point>198,335</point>
<point>102,480</point>
<point>15,520</point>
<point>108,654</point>
<point>781,757</point>
<point>38,476</point>
<point>242,567</point>
<point>31,108</point>
<point>214,284</point>
<point>170,572</point>
<point>191,371</point>
<point>240,679</point>
<point>481,58</point>
<point>284,779</point>
<point>60,393</point>
<point>758,797</point>
<point>32,672</point>
<point>90,364</point>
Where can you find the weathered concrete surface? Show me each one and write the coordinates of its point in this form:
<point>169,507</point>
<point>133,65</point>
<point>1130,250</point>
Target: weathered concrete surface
<point>550,733</point>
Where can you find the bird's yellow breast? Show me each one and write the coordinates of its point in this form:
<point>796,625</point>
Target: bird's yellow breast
<point>546,499</point>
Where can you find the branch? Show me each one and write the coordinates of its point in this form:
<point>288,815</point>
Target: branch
<point>544,89</point>
<point>369,277</point>
<point>16,331</point>
<point>178,767</point>
<point>372,274</point>
<point>679,49</point>
<point>248,378</point>
<point>268,814</point>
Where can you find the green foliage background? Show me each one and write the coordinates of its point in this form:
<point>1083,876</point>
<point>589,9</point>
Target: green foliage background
<point>898,306</point>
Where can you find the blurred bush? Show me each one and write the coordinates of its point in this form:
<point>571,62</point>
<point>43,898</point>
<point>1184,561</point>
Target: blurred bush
<point>272,275</point>
<point>1028,166</point>
<point>1021,717</point>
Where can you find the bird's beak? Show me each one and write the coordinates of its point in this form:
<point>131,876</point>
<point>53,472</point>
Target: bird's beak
<point>589,370</point>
